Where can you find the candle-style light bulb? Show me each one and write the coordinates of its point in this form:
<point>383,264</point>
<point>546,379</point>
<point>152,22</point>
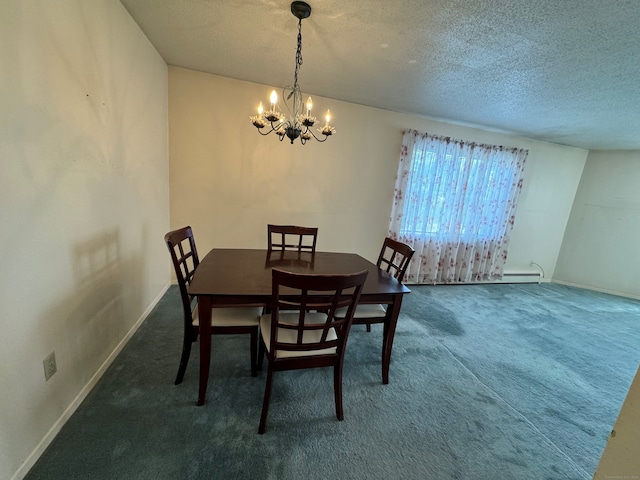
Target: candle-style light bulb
<point>260,109</point>
<point>309,106</point>
<point>273,98</point>
<point>328,117</point>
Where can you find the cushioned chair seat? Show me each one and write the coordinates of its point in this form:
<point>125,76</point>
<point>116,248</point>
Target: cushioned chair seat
<point>289,336</point>
<point>231,317</point>
<point>364,311</point>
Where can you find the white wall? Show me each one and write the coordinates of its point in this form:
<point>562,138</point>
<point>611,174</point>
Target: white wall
<point>228,182</point>
<point>599,251</point>
<point>84,203</point>
<point>600,245</point>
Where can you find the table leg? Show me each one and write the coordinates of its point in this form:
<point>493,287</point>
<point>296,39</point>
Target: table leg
<point>204,315</point>
<point>390,322</point>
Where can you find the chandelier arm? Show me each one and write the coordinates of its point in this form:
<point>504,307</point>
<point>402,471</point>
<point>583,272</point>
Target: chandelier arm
<point>264,134</point>
<point>314,135</point>
<point>273,129</point>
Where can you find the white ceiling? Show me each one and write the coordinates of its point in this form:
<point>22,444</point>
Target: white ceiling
<point>563,71</point>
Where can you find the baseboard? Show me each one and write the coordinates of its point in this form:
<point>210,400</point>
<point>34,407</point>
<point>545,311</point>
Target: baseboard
<point>596,289</point>
<point>57,426</point>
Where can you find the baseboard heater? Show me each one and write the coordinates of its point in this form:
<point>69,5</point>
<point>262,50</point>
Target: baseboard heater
<point>511,277</point>
<point>523,277</point>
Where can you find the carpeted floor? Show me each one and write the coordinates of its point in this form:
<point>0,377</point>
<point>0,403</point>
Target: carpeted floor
<point>487,382</point>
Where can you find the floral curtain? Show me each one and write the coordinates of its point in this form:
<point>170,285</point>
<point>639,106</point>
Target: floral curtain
<point>455,203</point>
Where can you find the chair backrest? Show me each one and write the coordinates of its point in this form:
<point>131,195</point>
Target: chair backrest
<point>184,256</point>
<point>285,260</point>
<point>291,237</point>
<point>313,293</point>
<point>395,257</point>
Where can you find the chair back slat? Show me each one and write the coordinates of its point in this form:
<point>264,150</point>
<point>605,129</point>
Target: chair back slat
<point>291,237</point>
<point>315,299</point>
<point>184,257</point>
<point>394,257</point>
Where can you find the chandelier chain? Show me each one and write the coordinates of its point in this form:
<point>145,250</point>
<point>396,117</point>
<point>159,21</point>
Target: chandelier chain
<point>298,54</point>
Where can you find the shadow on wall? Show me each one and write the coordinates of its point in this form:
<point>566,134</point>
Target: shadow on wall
<point>97,318</point>
<point>91,321</point>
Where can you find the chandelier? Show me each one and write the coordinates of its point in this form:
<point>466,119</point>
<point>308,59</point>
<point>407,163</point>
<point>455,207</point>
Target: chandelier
<point>299,122</point>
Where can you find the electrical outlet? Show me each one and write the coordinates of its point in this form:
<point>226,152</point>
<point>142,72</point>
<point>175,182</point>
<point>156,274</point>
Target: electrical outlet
<point>50,366</point>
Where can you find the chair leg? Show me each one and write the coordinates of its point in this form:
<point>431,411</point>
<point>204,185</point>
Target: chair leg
<point>265,401</point>
<point>184,359</point>
<point>254,351</point>
<point>368,327</point>
<point>337,390</point>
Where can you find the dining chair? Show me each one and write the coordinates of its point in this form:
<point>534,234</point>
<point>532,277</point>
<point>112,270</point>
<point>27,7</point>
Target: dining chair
<point>240,320</point>
<point>291,237</point>
<point>394,259</point>
<point>311,336</point>
<point>281,238</point>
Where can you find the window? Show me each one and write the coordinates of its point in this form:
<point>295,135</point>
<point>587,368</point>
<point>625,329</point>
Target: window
<point>455,196</point>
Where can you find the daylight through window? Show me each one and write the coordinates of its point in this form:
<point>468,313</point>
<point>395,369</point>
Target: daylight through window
<point>455,203</point>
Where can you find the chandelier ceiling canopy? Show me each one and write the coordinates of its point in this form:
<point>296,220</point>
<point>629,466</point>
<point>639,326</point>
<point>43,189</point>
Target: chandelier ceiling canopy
<point>299,122</point>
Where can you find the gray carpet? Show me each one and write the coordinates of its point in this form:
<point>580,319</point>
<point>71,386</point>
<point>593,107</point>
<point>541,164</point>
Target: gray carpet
<point>486,382</point>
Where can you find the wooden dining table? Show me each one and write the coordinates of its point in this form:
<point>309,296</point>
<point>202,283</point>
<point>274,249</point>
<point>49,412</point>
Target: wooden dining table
<point>242,277</point>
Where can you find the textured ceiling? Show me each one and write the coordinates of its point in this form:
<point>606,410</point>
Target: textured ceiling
<point>563,71</point>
